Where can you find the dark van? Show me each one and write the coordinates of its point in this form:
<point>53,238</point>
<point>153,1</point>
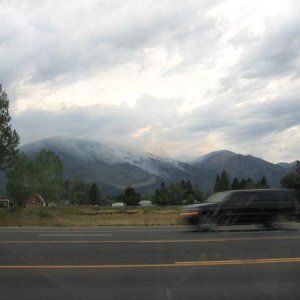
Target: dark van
<point>266,207</point>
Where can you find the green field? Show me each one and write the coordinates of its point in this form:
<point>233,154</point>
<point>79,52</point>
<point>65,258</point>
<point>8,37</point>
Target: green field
<point>90,216</point>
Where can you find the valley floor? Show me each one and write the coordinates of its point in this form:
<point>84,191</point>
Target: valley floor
<point>90,216</point>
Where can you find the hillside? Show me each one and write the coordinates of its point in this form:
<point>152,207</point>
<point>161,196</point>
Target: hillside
<point>242,166</point>
<point>114,168</point>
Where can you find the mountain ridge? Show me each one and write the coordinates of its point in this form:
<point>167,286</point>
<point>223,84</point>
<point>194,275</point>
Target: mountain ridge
<point>110,165</point>
<point>114,167</point>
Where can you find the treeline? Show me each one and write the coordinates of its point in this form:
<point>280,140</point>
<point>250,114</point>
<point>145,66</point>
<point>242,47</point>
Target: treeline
<point>223,183</point>
<point>292,179</point>
<point>43,174</point>
<point>178,193</point>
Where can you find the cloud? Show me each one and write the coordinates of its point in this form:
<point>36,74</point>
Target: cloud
<point>278,54</point>
<point>180,78</point>
<point>118,123</point>
<point>141,131</point>
<point>55,44</point>
<point>153,125</point>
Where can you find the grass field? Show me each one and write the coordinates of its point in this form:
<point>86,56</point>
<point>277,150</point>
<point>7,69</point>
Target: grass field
<point>90,216</point>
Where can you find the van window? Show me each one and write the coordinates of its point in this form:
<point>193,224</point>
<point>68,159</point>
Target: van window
<point>241,199</point>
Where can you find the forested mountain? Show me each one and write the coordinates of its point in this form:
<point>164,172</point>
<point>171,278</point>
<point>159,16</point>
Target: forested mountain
<point>114,168</point>
<point>242,166</point>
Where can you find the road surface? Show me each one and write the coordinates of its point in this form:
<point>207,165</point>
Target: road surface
<point>149,263</point>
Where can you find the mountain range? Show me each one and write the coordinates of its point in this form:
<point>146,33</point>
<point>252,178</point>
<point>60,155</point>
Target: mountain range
<point>114,168</point>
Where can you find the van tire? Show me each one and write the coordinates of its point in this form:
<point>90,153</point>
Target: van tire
<point>275,222</point>
<point>207,224</point>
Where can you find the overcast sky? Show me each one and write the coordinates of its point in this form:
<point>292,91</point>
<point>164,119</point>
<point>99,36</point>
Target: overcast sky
<point>174,78</point>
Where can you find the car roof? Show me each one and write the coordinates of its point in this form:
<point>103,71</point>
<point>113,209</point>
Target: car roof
<point>261,190</point>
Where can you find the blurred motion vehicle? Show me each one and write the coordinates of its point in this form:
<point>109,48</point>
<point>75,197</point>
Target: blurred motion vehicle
<point>267,207</point>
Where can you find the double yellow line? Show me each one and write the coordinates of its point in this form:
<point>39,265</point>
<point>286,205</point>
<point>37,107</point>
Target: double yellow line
<point>166,265</point>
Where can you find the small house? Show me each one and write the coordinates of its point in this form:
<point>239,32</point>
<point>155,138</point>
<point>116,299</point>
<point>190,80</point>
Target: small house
<point>5,203</point>
<point>35,200</point>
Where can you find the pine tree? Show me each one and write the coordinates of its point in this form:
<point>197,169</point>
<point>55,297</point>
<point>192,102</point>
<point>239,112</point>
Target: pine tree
<point>243,184</point>
<point>235,185</point>
<point>9,139</point>
<point>250,183</point>
<point>217,186</point>
<point>130,196</point>
<point>94,194</point>
<point>263,183</point>
<point>225,181</point>
<point>292,179</point>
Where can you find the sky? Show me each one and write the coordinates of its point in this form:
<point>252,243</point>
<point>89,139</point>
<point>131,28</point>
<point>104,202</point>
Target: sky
<point>173,78</point>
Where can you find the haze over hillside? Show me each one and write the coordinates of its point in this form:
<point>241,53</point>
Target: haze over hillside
<point>113,168</point>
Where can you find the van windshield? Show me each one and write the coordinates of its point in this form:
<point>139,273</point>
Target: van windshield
<point>218,197</point>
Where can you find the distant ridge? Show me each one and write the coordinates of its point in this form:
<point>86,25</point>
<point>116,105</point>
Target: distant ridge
<point>114,168</point>
<point>242,166</point>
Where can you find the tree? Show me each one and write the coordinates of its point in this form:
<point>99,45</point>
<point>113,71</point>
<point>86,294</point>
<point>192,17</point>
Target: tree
<point>9,139</point>
<point>19,181</point>
<point>130,196</point>
<point>198,195</point>
<point>177,193</point>
<point>217,186</point>
<point>161,195</point>
<point>243,183</point>
<point>94,194</point>
<point>48,175</point>
<point>250,183</point>
<point>235,185</point>
<point>77,191</point>
<point>225,181</point>
<point>292,179</point>
<point>42,175</point>
<point>222,182</point>
<point>263,183</point>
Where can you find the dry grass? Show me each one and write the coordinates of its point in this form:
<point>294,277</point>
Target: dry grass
<point>90,216</point>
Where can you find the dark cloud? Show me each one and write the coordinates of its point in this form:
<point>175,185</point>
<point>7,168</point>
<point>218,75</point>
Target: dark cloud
<point>50,44</point>
<point>239,127</point>
<point>249,122</point>
<point>100,121</point>
<point>276,54</point>
<point>265,118</point>
<point>58,42</point>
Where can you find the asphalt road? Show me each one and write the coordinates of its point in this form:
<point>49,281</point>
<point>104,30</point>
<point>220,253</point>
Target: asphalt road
<point>149,263</point>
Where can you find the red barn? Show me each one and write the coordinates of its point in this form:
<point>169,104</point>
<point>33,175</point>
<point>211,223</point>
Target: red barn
<point>35,200</point>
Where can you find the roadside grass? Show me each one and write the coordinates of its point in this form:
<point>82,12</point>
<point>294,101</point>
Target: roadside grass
<point>90,216</point>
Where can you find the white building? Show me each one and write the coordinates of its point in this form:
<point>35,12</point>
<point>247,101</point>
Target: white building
<point>118,204</point>
<point>145,203</point>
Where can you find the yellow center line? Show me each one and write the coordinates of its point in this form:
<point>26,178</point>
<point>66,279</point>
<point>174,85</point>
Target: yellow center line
<point>240,261</point>
<point>147,241</point>
<point>165,265</point>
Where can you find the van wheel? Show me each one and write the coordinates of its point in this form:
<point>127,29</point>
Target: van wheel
<point>207,224</point>
<point>276,222</point>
